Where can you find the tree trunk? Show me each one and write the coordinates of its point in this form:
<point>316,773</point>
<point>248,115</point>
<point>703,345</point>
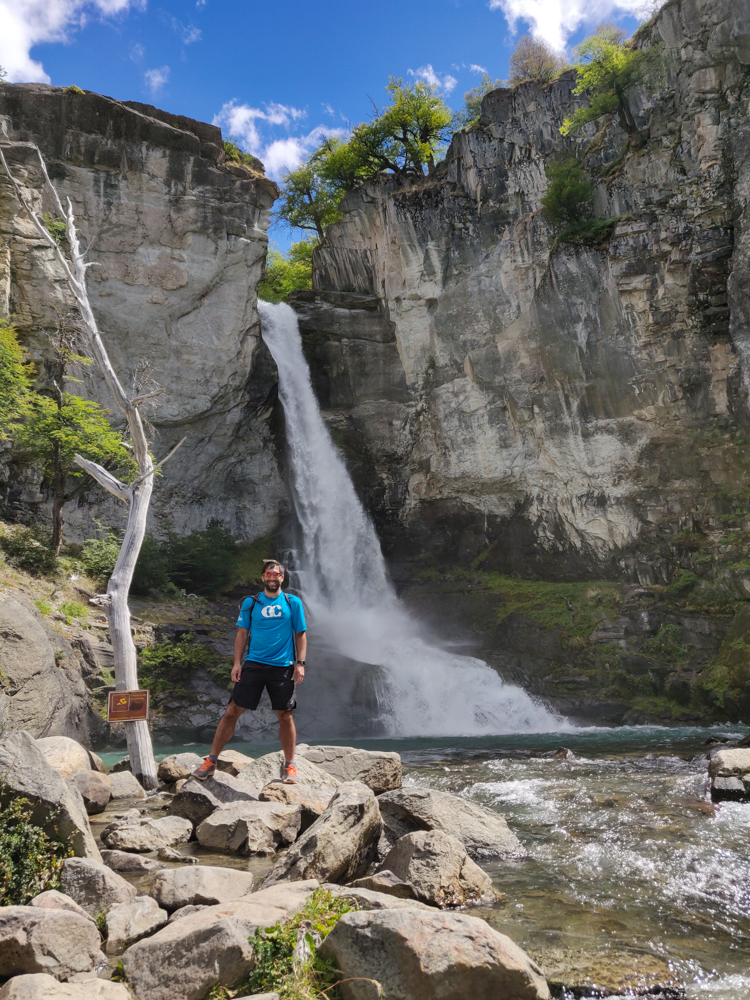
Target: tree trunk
<point>58,502</point>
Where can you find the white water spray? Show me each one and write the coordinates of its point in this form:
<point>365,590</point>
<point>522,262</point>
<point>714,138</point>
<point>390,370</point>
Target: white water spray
<point>421,690</point>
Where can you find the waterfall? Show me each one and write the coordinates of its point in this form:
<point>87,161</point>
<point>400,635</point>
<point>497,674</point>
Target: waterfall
<point>419,689</point>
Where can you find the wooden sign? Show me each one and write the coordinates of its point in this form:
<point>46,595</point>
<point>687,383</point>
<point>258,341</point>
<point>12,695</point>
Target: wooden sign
<point>127,706</point>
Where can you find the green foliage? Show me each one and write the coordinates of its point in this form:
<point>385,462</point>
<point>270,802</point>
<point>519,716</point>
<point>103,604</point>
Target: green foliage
<point>44,607</point>
<point>16,375</point>
<point>72,89</point>
<point>73,609</point>
<point>607,69</point>
<point>163,667</point>
<point>298,978</point>
<point>533,59</point>
<point>235,154</point>
<point>309,197</point>
<point>472,109</point>
<point>152,569</point>
<point>29,549</point>
<point>202,562</point>
<point>287,272</point>
<point>591,232</point>
<point>55,227</point>
<point>569,198</point>
<point>100,555</point>
<point>30,860</point>
<point>666,646</point>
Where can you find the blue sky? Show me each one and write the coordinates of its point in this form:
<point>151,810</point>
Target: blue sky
<point>276,75</point>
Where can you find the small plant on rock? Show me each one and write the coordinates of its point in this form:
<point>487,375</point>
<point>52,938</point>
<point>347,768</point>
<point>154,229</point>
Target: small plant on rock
<point>100,555</point>
<point>30,860</point>
<point>73,609</point>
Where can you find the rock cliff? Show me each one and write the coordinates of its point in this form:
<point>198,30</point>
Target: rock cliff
<point>555,409</point>
<point>178,237</point>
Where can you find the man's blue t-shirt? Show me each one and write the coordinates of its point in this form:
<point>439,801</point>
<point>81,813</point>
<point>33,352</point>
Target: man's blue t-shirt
<point>274,622</point>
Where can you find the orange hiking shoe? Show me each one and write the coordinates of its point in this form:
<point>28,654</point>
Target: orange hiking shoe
<point>206,770</point>
<point>290,775</point>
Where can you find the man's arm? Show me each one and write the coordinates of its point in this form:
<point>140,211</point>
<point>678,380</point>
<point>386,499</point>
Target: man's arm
<point>240,640</point>
<point>300,639</point>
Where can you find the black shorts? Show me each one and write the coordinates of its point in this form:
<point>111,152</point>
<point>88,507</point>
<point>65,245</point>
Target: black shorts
<point>276,680</point>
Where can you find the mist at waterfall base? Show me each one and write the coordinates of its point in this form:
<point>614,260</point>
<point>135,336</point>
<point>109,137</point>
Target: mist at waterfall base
<point>371,669</point>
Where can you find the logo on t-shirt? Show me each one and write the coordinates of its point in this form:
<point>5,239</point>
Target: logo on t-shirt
<point>271,611</point>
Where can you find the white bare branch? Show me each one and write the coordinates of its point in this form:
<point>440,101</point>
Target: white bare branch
<point>157,467</point>
<point>104,478</point>
<point>137,400</point>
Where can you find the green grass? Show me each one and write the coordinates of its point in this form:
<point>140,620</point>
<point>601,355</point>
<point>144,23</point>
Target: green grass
<point>44,607</point>
<point>72,610</point>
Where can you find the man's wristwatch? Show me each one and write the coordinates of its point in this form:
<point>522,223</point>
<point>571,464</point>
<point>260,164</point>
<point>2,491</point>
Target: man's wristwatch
<point>301,663</point>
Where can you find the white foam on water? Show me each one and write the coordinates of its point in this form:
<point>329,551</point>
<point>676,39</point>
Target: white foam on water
<point>421,690</point>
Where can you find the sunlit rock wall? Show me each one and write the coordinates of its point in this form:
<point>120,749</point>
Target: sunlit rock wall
<point>178,239</point>
<point>560,406</point>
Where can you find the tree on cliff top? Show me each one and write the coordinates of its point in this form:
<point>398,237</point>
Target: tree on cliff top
<point>473,98</point>
<point>533,59</point>
<point>309,199</point>
<point>288,272</point>
<point>607,69</point>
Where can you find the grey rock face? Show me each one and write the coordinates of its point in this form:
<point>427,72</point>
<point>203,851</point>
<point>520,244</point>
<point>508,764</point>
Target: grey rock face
<point>268,768</point>
<point>40,986</point>
<point>438,868</point>
<point>181,239</point>
<point>51,899</point>
<point>380,770</point>
<point>201,886</point>
<point>123,861</point>
<point>426,954</point>
<point>340,844</point>
<point>198,799</point>
<point>251,827</point>
<point>178,765</point>
<point>482,832</point>
<point>47,699</point>
<point>95,789</point>
<point>129,922</point>
<point>312,802</point>
<point>24,771</point>
<point>170,854</point>
<point>93,886</point>
<point>386,882</point>
<point>183,960</point>
<point>232,761</point>
<point>148,834</point>
<point>37,939</point>
<point>125,785</point>
<point>65,755</point>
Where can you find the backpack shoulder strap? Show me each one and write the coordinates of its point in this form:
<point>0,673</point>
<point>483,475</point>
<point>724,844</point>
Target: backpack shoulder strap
<point>255,600</point>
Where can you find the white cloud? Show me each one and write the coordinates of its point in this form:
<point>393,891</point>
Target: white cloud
<point>137,52</point>
<point>474,68</point>
<point>26,23</point>
<point>187,32</point>
<point>329,110</point>
<point>556,20</point>
<point>252,125</point>
<point>445,82</point>
<point>156,78</point>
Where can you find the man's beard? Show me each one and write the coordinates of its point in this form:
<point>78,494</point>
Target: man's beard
<point>273,585</point>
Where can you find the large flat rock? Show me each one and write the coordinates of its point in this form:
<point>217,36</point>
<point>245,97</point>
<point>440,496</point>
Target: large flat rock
<point>147,834</point>
<point>380,770</point>
<point>25,771</point>
<point>251,827</point>
<point>37,939</point>
<point>197,799</point>
<point>203,885</point>
<point>39,986</point>
<point>268,768</point>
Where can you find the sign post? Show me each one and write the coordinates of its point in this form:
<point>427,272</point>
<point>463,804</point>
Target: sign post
<point>127,706</point>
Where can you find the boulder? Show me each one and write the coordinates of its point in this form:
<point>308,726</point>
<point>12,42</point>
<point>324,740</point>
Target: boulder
<point>380,770</point>
<point>186,911</point>
<point>728,789</point>
<point>369,899</point>
<point>385,882</point>
<point>438,868</point>
<point>268,768</point>
<point>340,845</point>
<point>232,762</point>
<point>39,986</point>
<point>177,766</point>
<point>37,695</point>
<point>187,957</point>
<point>482,832</point>
<point>65,755</point>
<point>427,954</point>
<point>147,834</point>
<point>95,789</point>
<point>125,785</point>
<point>129,922</point>
<point>38,939</point>
<point>198,799</point>
<point>97,764</point>
<point>94,886</point>
<point>201,886</point>
<point>25,771</point>
<point>123,861</point>
<point>170,854</point>
<point>51,899</point>
<point>312,801</point>
<point>251,827</point>
<point>729,763</point>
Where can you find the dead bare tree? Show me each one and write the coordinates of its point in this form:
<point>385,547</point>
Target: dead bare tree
<point>137,494</point>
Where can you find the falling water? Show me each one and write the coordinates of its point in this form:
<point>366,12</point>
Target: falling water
<point>420,689</point>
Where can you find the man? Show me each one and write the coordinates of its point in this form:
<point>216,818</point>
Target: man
<point>275,661</point>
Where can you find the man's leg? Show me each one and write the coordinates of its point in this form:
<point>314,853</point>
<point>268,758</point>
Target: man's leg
<point>287,735</point>
<point>225,729</point>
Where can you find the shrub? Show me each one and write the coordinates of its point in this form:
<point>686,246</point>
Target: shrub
<point>533,59</point>
<point>44,607</point>
<point>287,272</point>
<point>72,609</point>
<point>30,861</point>
<point>473,98</point>
<point>235,154</point>
<point>163,666</point>
<point>55,227</point>
<point>152,568</point>
<point>99,556</point>
<point>570,193</point>
<point>29,548</point>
